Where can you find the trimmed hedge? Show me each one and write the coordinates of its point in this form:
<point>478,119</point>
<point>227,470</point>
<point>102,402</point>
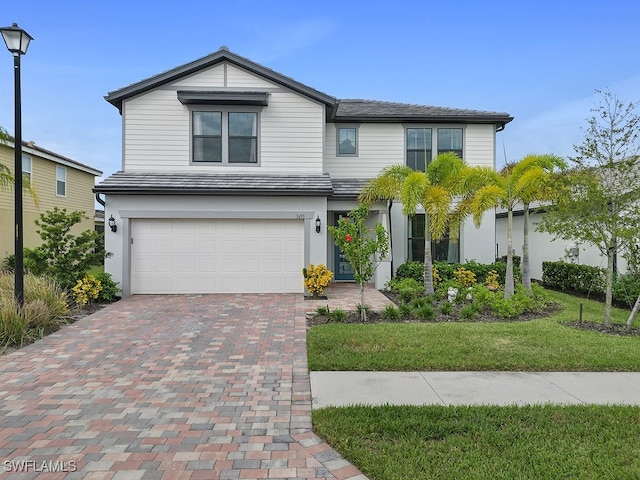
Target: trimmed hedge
<point>590,281</point>
<point>446,271</point>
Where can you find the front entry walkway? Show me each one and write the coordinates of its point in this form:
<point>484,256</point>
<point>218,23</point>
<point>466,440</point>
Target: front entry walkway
<point>167,387</point>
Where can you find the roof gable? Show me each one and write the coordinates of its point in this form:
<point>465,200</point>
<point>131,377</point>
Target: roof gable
<point>116,97</point>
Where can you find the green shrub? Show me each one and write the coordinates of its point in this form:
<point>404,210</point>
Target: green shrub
<point>404,309</point>
<point>407,288</point>
<point>109,291</point>
<point>8,263</point>
<point>469,311</point>
<point>414,270</point>
<point>626,289</point>
<point>390,312</point>
<point>61,255</point>
<point>338,315</point>
<point>324,310</point>
<point>424,312</point>
<point>420,302</point>
<point>570,276</point>
<point>446,308</point>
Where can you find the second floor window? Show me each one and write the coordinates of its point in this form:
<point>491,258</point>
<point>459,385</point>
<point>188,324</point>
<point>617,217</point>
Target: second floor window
<point>26,166</point>
<point>225,137</point>
<point>450,140</point>
<point>347,141</point>
<point>61,181</point>
<point>418,148</point>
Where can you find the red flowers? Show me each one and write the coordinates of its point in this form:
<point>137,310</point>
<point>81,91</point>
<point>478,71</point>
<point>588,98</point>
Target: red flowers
<point>348,237</point>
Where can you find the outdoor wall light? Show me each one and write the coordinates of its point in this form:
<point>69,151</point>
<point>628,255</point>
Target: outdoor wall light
<point>17,41</point>
<point>318,223</point>
<point>112,224</point>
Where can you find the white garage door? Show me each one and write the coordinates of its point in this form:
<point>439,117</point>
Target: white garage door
<point>216,256</point>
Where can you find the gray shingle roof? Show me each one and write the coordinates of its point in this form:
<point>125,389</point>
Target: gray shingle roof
<point>374,110</point>
<point>204,183</point>
<point>347,187</point>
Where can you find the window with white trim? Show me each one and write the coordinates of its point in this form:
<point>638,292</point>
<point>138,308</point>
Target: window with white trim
<point>61,181</point>
<point>347,141</point>
<point>224,136</point>
<point>26,166</point>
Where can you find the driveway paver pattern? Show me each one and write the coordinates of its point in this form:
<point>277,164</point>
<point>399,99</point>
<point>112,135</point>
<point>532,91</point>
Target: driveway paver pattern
<point>167,387</point>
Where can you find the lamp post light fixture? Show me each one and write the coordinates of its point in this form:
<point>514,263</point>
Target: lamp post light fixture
<point>318,224</point>
<point>17,41</point>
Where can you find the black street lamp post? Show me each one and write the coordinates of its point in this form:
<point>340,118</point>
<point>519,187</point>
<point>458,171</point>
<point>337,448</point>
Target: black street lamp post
<point>17,41</point>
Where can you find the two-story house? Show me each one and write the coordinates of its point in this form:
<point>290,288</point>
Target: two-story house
<point>231,173</point>
<point>58,181</point>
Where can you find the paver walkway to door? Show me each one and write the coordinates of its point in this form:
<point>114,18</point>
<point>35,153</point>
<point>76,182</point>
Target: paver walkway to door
<point>167,387</point>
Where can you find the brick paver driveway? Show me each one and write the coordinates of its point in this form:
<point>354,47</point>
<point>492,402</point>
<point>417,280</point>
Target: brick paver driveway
<point>171,387</point>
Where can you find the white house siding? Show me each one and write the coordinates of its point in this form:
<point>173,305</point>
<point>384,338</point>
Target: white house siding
<point>379,145</point>
<point>156,131</point>
<point>479,147</point>
<point>543,247</point>
<point>239,78</point>
<point>213,77</point>
<point>127,208</point>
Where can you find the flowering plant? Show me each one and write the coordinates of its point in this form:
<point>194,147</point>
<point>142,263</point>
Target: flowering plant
<point>316,279</point>
<point>86,290</point>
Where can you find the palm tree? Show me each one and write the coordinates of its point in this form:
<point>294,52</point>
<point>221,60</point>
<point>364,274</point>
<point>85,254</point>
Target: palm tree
<point>386,186</point>
<point>517,183</point>
<point>435,190</point>
<point>538,179</point>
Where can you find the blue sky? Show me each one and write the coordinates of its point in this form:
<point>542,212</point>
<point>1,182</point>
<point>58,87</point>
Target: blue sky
<point>539,61</point>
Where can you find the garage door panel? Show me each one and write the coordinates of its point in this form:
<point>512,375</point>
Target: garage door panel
<point>216,255</point>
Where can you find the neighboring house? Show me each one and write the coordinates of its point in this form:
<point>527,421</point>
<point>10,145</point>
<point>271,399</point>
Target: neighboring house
<point>544,247</point>
<point>231,173</point>
<point>58,182</point>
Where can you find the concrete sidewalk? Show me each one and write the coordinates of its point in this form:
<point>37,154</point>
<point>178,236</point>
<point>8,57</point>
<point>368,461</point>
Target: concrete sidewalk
<point>474,388</point>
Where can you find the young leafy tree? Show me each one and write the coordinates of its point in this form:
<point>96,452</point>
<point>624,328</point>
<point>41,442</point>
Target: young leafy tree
<point>62,255</point>
<point>352,236</point>
<point>601,206</point>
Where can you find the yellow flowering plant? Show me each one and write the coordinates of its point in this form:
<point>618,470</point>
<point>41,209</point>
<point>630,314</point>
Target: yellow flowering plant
<point>316,279</point>
<point>465,277</point>
<point>86,290</point>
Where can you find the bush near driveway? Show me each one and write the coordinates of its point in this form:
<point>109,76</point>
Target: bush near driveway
<point>45,309</point>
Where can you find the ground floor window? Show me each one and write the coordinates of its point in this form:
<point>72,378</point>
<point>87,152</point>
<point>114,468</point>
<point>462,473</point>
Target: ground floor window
<point>443,250</point>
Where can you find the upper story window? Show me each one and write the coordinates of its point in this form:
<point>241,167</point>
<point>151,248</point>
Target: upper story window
<point>450,140</point>
<point>61,181</point>
<point>418,148</point>
<point>347,141</point>
<point>224,136</point>
<point>26,166</point>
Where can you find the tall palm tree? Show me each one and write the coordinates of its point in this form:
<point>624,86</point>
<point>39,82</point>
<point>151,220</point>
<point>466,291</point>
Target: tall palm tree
<point>517,183</point>
<point>386,186</point>
<point>435,190</point>
<point>538,176</point>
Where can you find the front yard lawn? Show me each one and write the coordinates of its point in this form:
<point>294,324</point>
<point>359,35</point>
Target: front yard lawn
<point>435,442</point>
<point>545,344</point>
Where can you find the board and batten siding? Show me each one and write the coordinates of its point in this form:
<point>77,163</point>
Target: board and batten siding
<point>379,145</point>
<point>157,127</point>
<point>480,145</point>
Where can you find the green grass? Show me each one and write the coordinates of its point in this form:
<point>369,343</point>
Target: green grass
<point>510,443</point>
<point>537,345</point>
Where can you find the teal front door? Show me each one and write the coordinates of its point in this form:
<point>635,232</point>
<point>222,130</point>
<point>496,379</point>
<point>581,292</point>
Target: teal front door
<point>342,269</point>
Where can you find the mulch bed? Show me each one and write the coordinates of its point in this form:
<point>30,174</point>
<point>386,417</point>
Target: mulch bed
<point>614,329</point>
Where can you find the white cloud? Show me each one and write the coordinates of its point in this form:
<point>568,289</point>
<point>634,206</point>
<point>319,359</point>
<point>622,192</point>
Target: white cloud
<point>557,130</point>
